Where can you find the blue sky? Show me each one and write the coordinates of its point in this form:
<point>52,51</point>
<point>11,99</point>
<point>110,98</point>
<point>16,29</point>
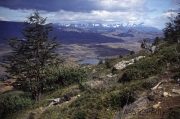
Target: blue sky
<point>151,12</point>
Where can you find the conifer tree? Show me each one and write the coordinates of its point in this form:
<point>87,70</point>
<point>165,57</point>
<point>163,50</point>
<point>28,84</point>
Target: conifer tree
<point>31,55</point>
<point>172,29</point>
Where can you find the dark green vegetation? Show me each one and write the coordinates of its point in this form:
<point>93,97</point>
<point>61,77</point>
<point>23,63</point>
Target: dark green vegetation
<point>31,55</point>
<point>13,102</point>
<point>172,29</point>
<point>102,96</point>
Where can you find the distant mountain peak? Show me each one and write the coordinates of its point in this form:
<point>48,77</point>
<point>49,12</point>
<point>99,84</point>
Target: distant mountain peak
<point>125,26</point>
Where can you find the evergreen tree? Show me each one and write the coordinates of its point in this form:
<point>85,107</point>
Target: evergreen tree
<point>172,29</point>
<point>132,53</point>
<point>107,63</point>
<point>156,41</point>
<point>120,56</point>
<point>100,61</point>
<point>31,55</point>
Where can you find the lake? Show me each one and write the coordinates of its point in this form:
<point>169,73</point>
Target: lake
<point>89,61</point>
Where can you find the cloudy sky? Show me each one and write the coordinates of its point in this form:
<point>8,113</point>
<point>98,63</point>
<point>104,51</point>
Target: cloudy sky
<point>151,12</point>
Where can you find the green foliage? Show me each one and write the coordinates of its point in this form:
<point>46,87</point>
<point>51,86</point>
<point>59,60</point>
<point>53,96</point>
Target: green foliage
<point>174,114</point>
<point>100,61</point>
<point>156,41</point>
<point>31,55</point>
<point>164,59</point>
<point>176,75</point>
<point>81,114</point>
<point>120,56</point>
<point>82,86</point>
<point>167,55</point>
<point>107,63</point>
<point>148,84</point>
<point>13,103</point>
<point>118,100</point>
<point>132,53</point>
<point>63,76</point>
<point>141,70</point>
<point>172,29</point>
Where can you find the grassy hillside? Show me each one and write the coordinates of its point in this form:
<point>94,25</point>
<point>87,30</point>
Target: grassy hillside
<point>103,96</point>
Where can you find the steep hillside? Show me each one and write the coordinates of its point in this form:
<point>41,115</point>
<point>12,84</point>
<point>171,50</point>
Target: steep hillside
<point>141,88</point>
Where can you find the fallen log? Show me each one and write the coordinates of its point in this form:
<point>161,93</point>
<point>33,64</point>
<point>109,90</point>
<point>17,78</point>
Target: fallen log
<point>155,87</point>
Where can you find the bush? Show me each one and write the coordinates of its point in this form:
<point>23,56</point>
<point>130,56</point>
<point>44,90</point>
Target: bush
<point>107,63</point>
<point>150,83</point>
<point>141,70</point>
<point>176,75</point>
<point>13,103</point>
<point>120,56</point>
<point>174,114</point>
<point>116,100</point>
<point>100,61</point>
<point>64,76</point>
<point>120,100</point>
<point>132,53</point>
<point>82,86</point>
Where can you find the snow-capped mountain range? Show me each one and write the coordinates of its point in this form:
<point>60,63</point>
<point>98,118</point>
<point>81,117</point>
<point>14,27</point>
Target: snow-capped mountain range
<point>124,26</point>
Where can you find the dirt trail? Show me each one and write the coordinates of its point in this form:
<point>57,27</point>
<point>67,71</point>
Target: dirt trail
<point>172,100</point>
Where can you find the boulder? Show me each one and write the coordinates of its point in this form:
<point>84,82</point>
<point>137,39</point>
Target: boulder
<point>165,94</point>
<point>123,64</point>
<point>120,65</point>
<point>176,91</point>
<point>156,105</point>
<point>153,49</point>
<point>109,75</point>
<point>94,71</point>
<point>150,96</point>
<point>136,107</point>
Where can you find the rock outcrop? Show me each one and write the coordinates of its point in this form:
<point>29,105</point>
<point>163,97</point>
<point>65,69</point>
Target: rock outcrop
<point>129,111</point>
<point>123,64</point>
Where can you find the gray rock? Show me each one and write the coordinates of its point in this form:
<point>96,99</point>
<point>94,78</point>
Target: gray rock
<point>176,91</point>
<point>153,48</point>
<point>109,75</point>
<point>165,94</point>
<point>159,87</point>
<point>150,96</point>
<point>94,71</point>
<point>123,64</point>
<point>139,105</point>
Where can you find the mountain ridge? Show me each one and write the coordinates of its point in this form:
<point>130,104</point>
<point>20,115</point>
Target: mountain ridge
<point>125,26</point>
<point>85,33</point>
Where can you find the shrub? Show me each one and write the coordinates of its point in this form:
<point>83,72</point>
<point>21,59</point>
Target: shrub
<point>119,100</point>
<point>132,53</point>
<point>120,56</point>
<point>64,76</point>
<point>150,83</point>
<point>82,86</point>
<point>13,103</point>
<point>107,63</point>
<point>141,70</point>
<point>174,114</point>
<point>100,61</point>
<point>176,75</point>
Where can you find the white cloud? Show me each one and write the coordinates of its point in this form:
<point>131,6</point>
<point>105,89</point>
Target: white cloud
<point>95,16</point>
<point>109,11</point>
<point>4,19</point>
<point>121,4</point>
